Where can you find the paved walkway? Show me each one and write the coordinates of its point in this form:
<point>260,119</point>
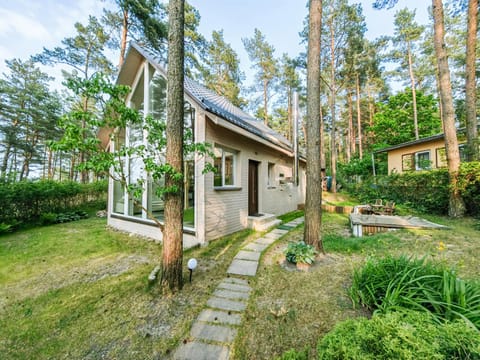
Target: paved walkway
<point>215,328</point>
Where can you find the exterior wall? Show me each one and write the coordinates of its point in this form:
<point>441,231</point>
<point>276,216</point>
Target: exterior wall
<point>227,209</point>
<point>434,146</point>
<point>147,229</point>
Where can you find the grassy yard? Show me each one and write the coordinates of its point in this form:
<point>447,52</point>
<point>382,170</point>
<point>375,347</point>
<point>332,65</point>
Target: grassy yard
<point>79,290</point>
<point>291,309</point>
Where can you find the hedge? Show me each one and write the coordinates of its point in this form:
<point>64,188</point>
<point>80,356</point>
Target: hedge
<point>26,201</point>
<point>426,191</point>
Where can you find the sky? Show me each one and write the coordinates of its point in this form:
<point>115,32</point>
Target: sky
<point>29,25</point>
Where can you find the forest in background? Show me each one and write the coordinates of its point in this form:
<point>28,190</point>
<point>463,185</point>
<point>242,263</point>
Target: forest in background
<point>360,112</point>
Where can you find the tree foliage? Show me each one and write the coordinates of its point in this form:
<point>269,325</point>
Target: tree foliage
<point>393,120</point>
<point>28,115</point>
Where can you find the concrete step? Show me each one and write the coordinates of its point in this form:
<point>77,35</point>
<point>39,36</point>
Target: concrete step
<point>263,222</point>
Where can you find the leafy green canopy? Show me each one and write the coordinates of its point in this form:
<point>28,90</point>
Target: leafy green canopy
<point>393,122</point>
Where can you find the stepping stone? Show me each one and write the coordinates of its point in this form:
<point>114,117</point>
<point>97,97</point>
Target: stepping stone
<point>200,351</point>
<point>236,280</point>
<point>208,332</point>
<point>243,267</point>
<point>234,295</point>
<point>256,247</point>
<point>219,317</point>
<point>225,304</point>
<point>265,241</point>
<point>272,236</point>
<point>248,255</point>
<point>234,287</point>
<point>279,232</point>
<point>285,227</point>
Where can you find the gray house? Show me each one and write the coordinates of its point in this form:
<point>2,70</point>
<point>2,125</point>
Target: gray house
<point>255,179</point>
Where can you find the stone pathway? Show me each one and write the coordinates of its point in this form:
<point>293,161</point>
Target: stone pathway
<point>215,328</point>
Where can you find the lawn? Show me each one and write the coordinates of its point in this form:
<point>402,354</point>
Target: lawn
<point>79,290</point>
<point>291,309</point>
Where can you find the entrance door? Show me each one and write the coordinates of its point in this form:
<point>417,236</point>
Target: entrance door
<point>252,188</point>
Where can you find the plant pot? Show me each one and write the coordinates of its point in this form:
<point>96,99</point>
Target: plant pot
<point>303,266</point>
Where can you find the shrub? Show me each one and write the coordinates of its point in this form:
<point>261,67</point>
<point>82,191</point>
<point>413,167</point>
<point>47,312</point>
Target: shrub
<point>299,252</point>
<point>394,283</point>
<point>400,335</point>
<point>426,191</point>
<point>35,201</point>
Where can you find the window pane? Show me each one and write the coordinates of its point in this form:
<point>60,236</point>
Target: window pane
<point>229,171</point>
<point>118,197</point>
<point>158,97</point>
<point>423,160</point>
<point>217,177</point>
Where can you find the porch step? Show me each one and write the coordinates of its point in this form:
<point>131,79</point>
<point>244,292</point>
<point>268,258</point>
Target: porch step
<point>263,222</point>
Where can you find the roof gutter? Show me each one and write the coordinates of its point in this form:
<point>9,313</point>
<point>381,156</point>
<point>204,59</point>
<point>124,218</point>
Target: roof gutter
<point>229,126</point>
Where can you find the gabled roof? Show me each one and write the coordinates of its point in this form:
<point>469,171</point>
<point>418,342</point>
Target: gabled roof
<point>413,142</point>
<point>206,98</point>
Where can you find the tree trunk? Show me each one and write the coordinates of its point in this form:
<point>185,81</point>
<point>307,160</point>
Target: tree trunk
<point>6,156</point>
<point>173,231</point>
<point>265,101</point>
<point>414,91</point>
<point>470,83</point>
<point>350,132</point>
<point>359,118</point>
<point>313,203</point>
<point>456,204</point>
<point>123,41</point>
<point>333,93</point>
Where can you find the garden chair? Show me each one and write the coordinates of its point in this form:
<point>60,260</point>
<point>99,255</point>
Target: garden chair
<point>389,208</point>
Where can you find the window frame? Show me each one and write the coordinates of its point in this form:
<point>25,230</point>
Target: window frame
<point>417,165</point>
<point>223,150</point>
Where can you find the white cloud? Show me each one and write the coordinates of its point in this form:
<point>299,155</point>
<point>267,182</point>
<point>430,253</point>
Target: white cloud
<point>16,24</point>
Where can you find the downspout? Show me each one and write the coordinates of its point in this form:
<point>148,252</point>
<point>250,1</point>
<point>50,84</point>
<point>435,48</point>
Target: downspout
<point>295,137</point>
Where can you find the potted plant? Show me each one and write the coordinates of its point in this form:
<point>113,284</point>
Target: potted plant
<point>301,254</point>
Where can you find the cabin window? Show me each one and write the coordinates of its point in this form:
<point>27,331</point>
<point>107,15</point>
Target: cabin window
<point>407,162</point>
<point>441,157</point>
<point>271,174</point>
<point>225,162</point>
<point>422,160</point>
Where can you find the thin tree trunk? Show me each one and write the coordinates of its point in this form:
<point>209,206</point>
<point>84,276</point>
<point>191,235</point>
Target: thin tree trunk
<point>289,115</point>
<point>123,41</point>
<point>470,83</point>
<point>333,91</point>
<point>6,156</point>
<point>173,231</point>
<point>414,91</point>
<point>359,118</point>
<point>456,204</point>
<point>313,203</point>
<point>350,132</point>
<point>265,101</point>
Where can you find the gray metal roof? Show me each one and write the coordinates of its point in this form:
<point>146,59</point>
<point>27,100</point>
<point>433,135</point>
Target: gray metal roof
<point>217,104</point>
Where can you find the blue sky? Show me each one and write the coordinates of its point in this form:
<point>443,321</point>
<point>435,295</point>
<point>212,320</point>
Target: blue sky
<point>29,25</point>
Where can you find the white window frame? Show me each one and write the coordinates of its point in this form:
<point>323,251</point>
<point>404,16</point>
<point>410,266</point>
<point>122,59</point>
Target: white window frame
<point>234,153</point>
<point>417,165</point>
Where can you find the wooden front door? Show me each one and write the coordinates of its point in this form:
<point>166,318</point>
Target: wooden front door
<point>252,187</point>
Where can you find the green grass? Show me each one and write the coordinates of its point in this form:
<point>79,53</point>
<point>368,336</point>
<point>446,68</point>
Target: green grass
<point>80,291</point>
<point>293,310</point>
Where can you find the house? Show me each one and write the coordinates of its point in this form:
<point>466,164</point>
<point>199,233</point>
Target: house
<point>256,177</point>
<point>422,154</point>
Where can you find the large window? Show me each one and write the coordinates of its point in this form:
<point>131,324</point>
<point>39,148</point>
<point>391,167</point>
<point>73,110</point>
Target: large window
<point>225,161</point>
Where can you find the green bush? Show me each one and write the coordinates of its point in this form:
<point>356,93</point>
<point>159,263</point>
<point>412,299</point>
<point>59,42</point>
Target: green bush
<point>299,252</point>
<point>400,335</point>
<point>393,283</point>
<point>425,191</point>
<point>34,201</point>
